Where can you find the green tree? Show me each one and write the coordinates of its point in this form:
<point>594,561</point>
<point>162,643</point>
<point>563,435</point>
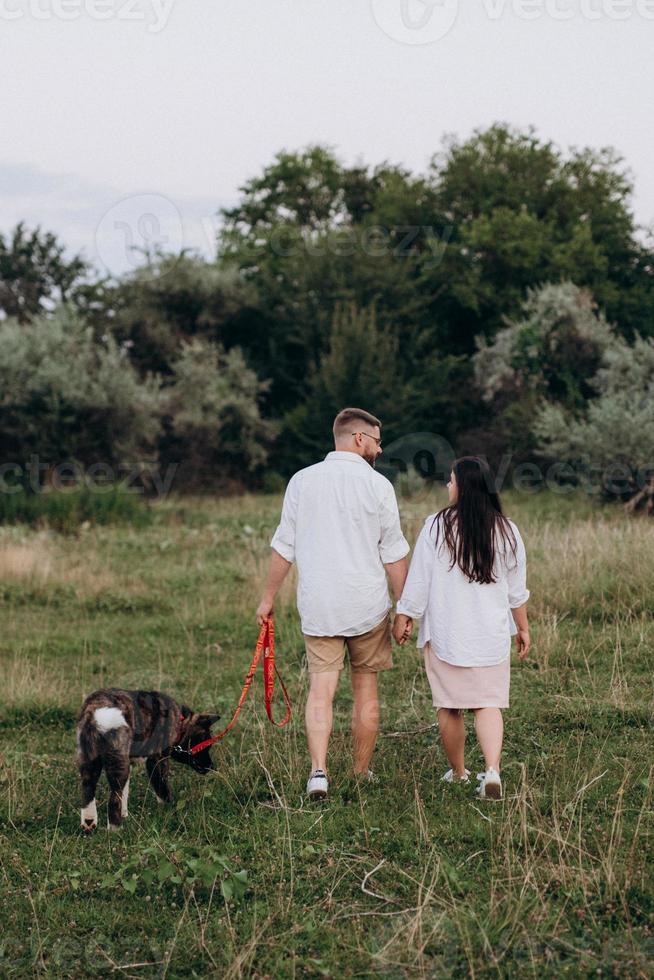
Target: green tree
<point>360,366</point>
<point>171,299</point>
<point>213,418</point>
<point>311,235</point>
<point>35,274</point>
<point>67,397</point>
<point>612,440</point>
<point>551,352</point>
<point>518,214</point>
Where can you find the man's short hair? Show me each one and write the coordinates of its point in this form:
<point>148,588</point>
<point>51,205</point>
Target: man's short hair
<point>349,417</point>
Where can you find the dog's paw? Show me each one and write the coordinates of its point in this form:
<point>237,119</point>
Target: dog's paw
<point>89,818</point>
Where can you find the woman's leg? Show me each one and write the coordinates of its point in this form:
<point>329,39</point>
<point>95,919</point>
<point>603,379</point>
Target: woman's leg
<point>489,725</point>
<point>453,734</point>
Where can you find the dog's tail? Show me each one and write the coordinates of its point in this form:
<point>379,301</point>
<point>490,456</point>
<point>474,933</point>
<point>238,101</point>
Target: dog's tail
<point>98,728</point>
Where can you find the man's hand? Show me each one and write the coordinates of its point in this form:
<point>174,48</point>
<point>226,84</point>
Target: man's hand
<point>523,643</point>
<point>264,611</point>
<point>277,572</point>
<point>402,629</point>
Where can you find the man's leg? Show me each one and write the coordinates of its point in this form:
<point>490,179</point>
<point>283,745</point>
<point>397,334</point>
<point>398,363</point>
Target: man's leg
<point>365,719</point>
<point>318,715</point>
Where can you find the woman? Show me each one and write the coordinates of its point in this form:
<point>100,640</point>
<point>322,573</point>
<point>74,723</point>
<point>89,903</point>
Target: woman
<point>468,570</point>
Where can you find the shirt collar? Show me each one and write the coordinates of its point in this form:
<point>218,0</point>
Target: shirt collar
<point>344,454</point>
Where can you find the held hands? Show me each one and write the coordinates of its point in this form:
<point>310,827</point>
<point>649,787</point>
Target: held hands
<point>402,629</point>
<point>523,643</point>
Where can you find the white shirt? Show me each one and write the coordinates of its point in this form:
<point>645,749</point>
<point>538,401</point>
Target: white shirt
<point>468,624</point>
<point>340,523</point>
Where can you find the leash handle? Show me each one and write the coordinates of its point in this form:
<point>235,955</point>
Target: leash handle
<point>266,646</point>
<point>269,673</point>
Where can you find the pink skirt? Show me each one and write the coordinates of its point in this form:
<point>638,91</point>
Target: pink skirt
<point>467,687</point>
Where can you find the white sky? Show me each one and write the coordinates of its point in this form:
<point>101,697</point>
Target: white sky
<point>172,104</point>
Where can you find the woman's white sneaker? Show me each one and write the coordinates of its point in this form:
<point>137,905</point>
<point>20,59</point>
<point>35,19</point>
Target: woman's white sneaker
<point>490,785</point>
<point>451,777</point>
<point>317,785</point>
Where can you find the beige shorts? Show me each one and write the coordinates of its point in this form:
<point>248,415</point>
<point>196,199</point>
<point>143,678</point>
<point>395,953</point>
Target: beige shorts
<point>369,653</point>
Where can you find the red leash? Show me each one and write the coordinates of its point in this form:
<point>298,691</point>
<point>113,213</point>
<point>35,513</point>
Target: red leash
<point>265,645</point>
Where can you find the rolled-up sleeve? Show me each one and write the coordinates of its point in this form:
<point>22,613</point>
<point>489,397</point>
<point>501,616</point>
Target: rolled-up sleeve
<point>517,575</point>
<point>393,546</point>
<point>283,540</point>
<point>415,595</point>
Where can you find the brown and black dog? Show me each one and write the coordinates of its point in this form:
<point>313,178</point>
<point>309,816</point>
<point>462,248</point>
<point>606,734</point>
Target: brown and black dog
<point>116,727</point>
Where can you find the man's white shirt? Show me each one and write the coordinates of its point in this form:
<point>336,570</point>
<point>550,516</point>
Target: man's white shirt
<point>340,524</point>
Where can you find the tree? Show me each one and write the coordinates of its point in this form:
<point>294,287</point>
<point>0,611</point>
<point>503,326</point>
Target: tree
<point>518,213</point>
<point>34,274</point>
<point>212,406</point>
<point>170,300</point>
<point>612,440</point>
<point>359,366</point>
<point>66,397</point>
<point>311,235</point>
<point>551,352</point>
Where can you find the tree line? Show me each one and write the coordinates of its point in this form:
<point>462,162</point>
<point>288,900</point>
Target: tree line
<point>503,299</point>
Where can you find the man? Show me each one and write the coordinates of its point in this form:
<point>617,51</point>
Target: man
<point>340,524</point>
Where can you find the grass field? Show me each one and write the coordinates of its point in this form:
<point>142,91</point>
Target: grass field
<point>240,876</point>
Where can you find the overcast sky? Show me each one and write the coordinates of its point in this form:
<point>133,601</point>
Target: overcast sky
<point>128,119</point>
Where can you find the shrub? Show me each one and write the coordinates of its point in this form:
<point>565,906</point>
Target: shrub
<point>66,397</point>
<point>614,437</point>
<point>65,510</point>
<point>213,414</point>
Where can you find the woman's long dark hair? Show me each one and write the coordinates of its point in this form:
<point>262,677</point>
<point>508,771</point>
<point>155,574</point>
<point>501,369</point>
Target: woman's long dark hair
<point>473,526</point>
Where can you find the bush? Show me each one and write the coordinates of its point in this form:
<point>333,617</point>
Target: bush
<point>550,354</point>
<point>215,425</point>
<point>65,510</point>
<point>65,397</point>
<point>614,437</point>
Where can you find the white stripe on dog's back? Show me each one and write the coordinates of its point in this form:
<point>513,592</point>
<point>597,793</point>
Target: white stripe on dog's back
<point>107,719</point>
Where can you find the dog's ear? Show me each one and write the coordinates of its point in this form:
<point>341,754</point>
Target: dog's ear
<point>206,720</point>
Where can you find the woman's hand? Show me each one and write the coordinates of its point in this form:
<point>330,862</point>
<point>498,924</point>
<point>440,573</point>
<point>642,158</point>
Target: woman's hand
<point>402,629</point>
<point>523,642</point>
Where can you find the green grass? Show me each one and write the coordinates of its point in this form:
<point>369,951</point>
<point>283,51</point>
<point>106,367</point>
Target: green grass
<point>65,509</point>
<point>406,878</point>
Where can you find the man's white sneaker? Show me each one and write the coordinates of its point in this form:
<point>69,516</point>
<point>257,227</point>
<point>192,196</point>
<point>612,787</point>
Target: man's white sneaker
<point>317,785</point>
<point>450,777</point>
<point>490,785</point>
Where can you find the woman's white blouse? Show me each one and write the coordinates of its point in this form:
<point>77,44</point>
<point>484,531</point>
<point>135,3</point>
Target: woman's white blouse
<point>467,624</point>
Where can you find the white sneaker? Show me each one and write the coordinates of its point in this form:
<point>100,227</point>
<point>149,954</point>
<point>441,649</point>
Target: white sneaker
<point>367,777</point>
<point>449,777</point>
<point>490,785</point>
<point>317,785</point>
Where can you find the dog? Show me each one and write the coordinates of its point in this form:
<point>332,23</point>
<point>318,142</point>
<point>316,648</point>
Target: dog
<point>116,727</point>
